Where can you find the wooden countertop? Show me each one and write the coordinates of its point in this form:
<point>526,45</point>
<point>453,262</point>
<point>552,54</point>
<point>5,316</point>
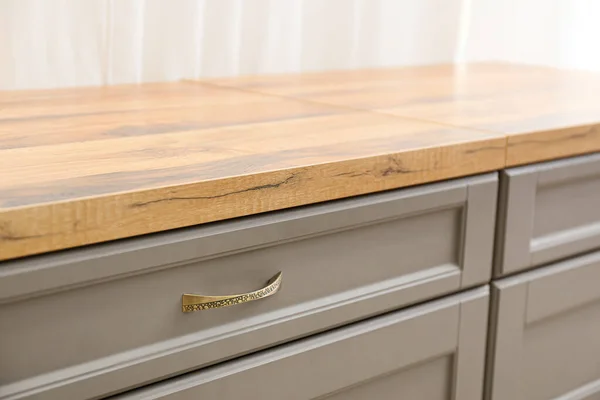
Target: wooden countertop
<point>83,166</point>
<point>545,113</point>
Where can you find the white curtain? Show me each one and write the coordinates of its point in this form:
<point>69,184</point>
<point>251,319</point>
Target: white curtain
<point>61,43</point>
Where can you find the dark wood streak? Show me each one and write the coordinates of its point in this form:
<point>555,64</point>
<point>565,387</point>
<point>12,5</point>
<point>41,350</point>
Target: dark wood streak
<point>29,119</point>
<point>154,129</point>
<point>485,148</point>
<point>7,235</point>
<point>398,168</point>
<point>148,128</point>
<point>354,174</point>
<point>13,238</point>
<point>575,136</point>
<point>250,189</point>
<point>138,130</point>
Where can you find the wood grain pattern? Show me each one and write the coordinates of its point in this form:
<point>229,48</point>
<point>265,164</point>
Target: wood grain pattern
<point>83,166</point>
<point>545,113</point>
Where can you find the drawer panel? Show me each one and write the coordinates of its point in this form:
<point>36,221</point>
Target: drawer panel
<point>433,351</point>
<point>547,330</point>
<point>106,318</point>
<point>548,211</point>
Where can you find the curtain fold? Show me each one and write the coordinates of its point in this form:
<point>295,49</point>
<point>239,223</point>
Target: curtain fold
<point>64,43</point>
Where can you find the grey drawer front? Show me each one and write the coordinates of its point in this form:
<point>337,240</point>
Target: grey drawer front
<point>546,328</point>
<point>547,212</point>
<point>433,351</point>
<point>102,319</point>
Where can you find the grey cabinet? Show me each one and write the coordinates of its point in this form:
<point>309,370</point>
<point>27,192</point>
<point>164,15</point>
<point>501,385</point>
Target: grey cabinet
<point>546,333</point>
<point>381,298</point>
<point>106,318</point>
<point>548,211</point>
<point>432,351</point>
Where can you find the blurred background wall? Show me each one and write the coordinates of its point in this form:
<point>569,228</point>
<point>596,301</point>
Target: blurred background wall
<point>61,43</point>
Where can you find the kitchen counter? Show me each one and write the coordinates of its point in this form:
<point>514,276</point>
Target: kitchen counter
<point>545,113</point>
<point>452,204</point>
<point>89,165</point>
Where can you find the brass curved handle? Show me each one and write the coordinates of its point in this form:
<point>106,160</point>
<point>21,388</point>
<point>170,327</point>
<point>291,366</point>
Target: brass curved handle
<point>196,302</point>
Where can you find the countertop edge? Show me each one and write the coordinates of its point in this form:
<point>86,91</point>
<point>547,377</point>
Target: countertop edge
<point>42,228</point>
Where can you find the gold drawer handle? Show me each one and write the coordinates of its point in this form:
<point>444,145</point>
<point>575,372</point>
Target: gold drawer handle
<point>196,302</point>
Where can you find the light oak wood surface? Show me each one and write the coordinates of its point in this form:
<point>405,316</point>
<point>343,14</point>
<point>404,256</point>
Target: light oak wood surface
<point>545,113</point>
<point>82,166</point>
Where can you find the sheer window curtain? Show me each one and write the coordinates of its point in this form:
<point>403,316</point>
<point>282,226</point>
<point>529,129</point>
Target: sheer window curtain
<point>63,43</point>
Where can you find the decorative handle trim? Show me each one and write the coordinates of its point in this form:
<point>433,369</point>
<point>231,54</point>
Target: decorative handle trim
<point>196,302</point>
